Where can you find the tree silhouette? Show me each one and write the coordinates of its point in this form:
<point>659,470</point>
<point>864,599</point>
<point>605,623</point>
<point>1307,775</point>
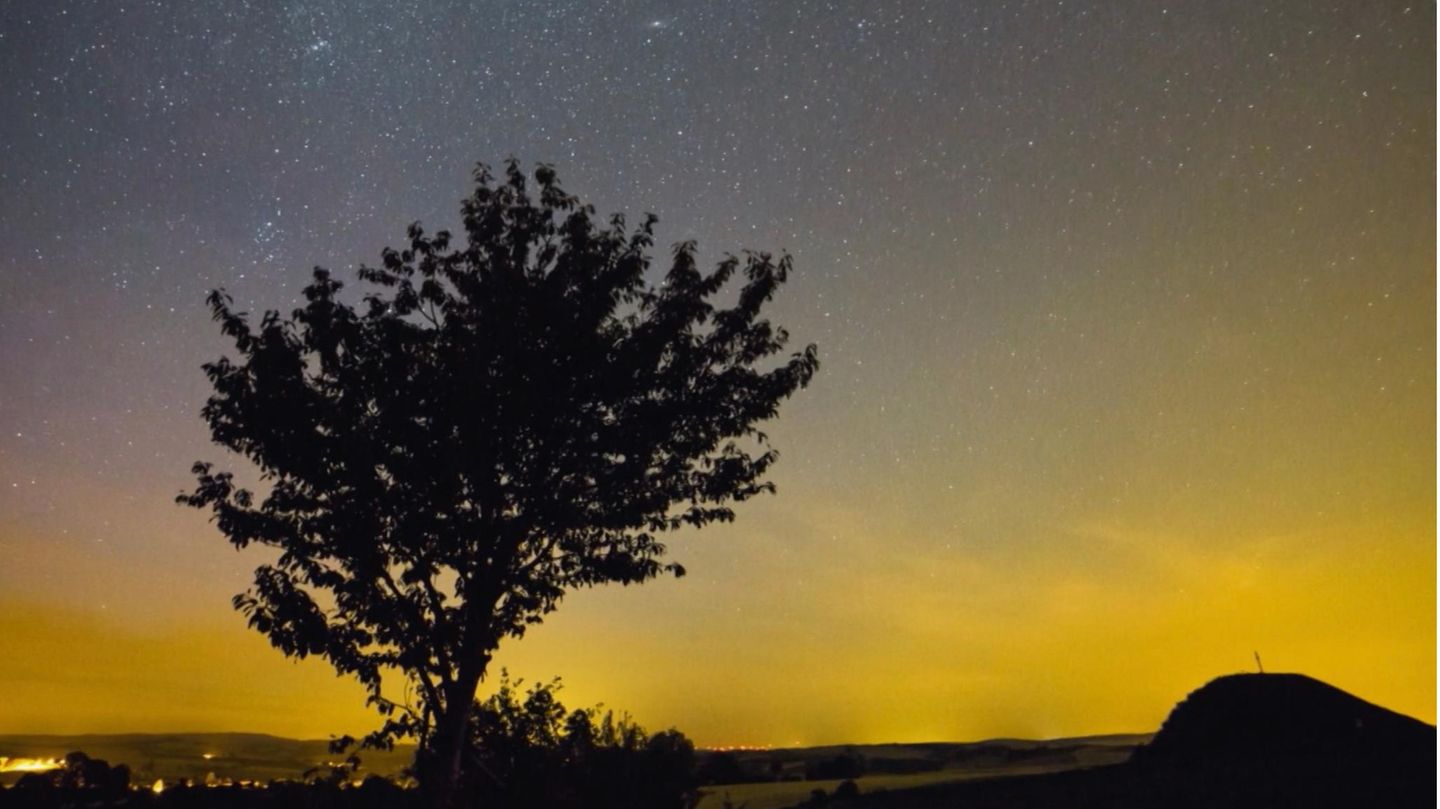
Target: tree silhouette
<point>493,425</point>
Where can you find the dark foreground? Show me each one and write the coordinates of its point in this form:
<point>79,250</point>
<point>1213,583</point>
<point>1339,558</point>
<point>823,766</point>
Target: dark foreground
<point>374,794</point>
<point>1269,784</point>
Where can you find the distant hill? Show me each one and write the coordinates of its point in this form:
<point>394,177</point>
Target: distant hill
<point>913,757</point>
<point>782,777</point>
<point>237,756</point>
<point>1241,741</point>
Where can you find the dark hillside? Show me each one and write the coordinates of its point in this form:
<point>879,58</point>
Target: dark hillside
<point>1280,714</point>
<point>1254,740</point>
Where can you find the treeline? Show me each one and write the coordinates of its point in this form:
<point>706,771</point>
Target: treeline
<point>724,767</point>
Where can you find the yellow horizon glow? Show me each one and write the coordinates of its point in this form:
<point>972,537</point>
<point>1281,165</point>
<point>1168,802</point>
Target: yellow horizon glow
<point>1069,654</point>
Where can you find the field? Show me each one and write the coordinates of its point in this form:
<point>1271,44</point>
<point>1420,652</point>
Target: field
<point>954,762</point>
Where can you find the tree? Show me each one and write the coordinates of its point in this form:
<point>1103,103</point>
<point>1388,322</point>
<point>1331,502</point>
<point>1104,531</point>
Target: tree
<point>495,424</point>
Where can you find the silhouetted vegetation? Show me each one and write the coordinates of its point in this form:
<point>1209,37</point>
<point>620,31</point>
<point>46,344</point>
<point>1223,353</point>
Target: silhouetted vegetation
<point>843,796</point>
<point>80,779</point>
<point>845,765</point>
<point>529,751</point>
<point>720,767</point>
<point>496,423</point>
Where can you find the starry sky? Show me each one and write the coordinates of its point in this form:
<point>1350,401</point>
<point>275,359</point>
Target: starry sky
<point>1126,310</point>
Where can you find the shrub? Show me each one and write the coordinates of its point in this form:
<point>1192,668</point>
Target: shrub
<point>528,751</point>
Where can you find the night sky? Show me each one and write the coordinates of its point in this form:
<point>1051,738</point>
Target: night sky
<point>1126,310</point>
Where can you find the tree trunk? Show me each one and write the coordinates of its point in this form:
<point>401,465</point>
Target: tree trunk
<point>440,778</point>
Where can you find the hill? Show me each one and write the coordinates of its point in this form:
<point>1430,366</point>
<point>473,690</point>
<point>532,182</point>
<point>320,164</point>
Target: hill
<point>1281,714</point>
<point>908,757</point>
<point>781,777</point>
<point>1252,740</point>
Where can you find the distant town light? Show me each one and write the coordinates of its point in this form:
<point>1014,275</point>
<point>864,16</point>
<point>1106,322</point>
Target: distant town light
<point>8,764</point>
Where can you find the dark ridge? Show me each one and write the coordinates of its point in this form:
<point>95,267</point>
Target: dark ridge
<point>1280,714</point>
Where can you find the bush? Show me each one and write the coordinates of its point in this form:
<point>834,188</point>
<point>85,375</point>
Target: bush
<point>528,751</point>
<point>721,768</point>
<point>829,769</point>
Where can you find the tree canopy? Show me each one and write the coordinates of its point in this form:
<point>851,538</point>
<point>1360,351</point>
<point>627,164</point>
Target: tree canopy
<point>492,424</point>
